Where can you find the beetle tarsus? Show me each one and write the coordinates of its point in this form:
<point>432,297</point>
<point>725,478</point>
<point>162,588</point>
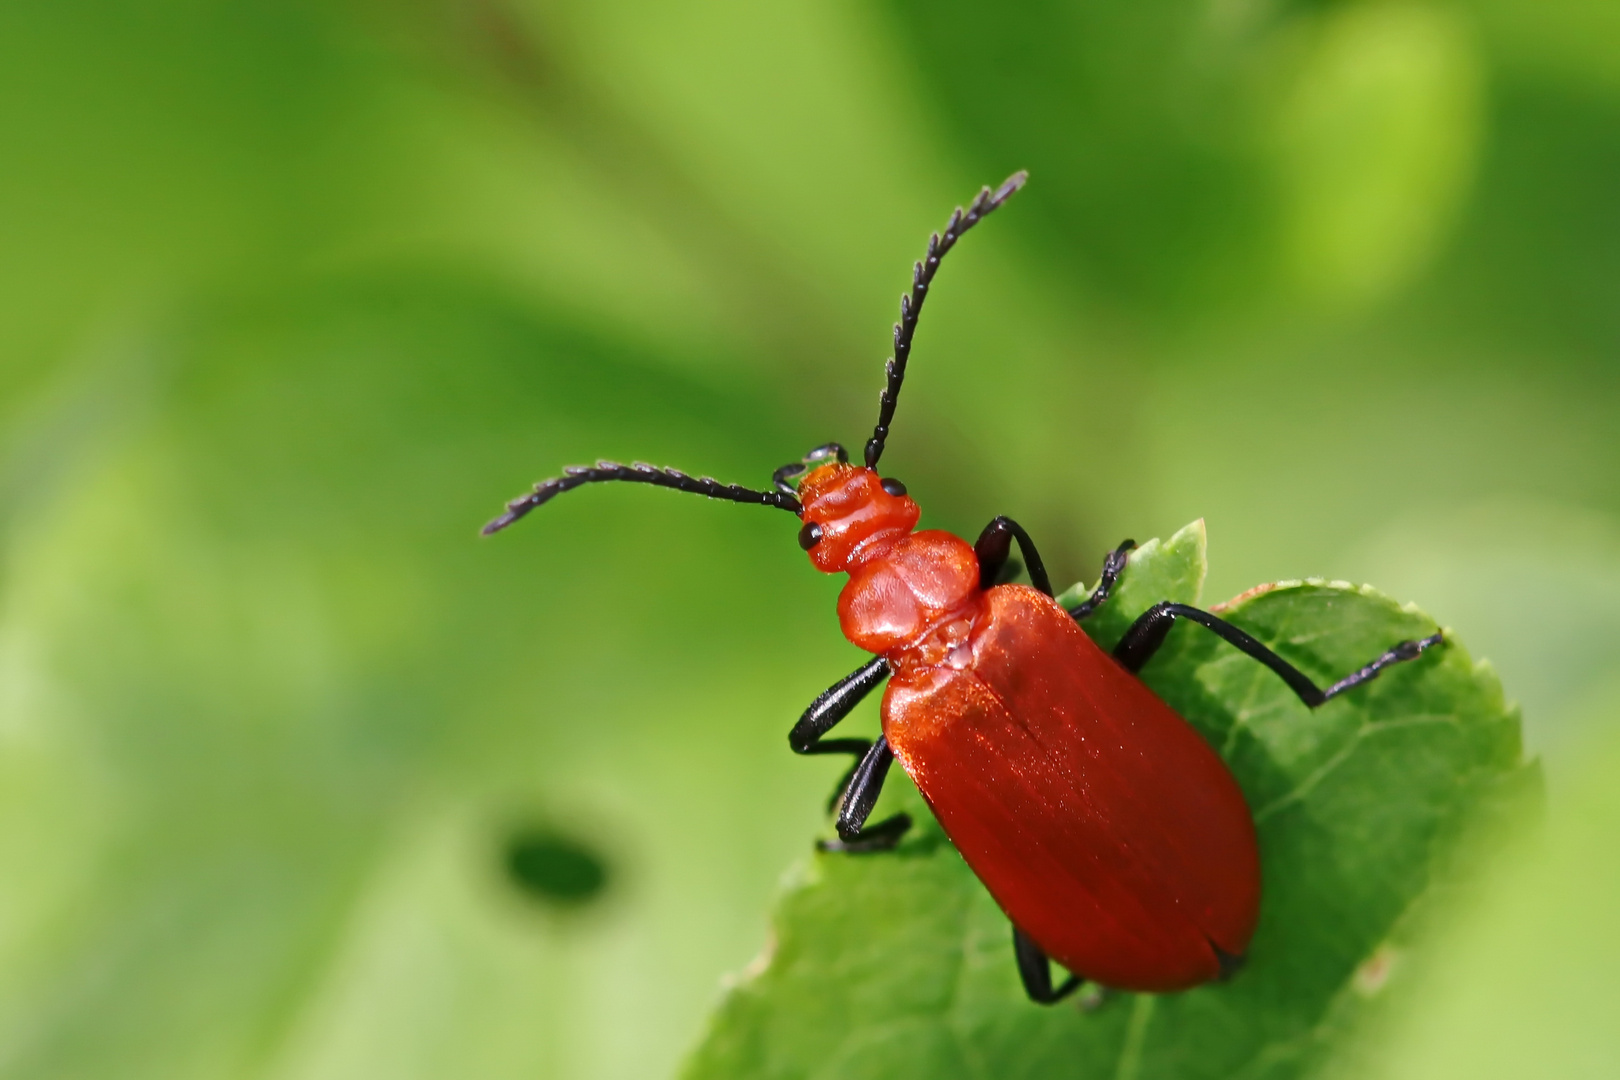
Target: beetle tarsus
<point>884,836</point>
<point>1114,564</point>
<point>1035,970</point>
<point>1147,633</point>
<point>1230,964</point>
<point>1406,650</point>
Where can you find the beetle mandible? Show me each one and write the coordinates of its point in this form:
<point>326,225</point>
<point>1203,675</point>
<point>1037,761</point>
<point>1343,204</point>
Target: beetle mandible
<point>1111,834</point>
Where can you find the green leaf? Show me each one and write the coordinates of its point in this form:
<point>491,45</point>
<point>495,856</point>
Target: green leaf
<point>1520,982</point>
<point>1170,569</point>
<point>900,965</point>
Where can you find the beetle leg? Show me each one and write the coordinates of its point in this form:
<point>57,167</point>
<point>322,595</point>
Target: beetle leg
<point>995,544</point>
<point>1113,566</point>
<point>1230,964</point>
<point>1035,969</point>
<point>831,706</point>
<point>835,703</point>
<point>1147,633</point>
<point>859,799</point>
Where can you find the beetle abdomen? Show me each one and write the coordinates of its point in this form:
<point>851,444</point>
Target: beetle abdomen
<point>1098,819</point>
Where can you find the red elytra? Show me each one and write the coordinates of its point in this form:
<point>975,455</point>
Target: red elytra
<point>1098,819</point>
<point>1110,833</point>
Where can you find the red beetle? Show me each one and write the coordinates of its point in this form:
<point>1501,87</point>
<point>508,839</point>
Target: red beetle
<point>1114,838</point>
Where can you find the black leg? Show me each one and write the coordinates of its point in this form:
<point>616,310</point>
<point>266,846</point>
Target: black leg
<point>854,837</point>
<point>831,706</point>
<point>1147,633</point>
<point>1036,971</point>
<point>1113,566</point>
<point>995,544</point>
<point>858,791</point>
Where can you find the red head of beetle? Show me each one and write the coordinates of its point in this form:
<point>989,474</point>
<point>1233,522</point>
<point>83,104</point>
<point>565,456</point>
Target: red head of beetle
<point>851,516</point>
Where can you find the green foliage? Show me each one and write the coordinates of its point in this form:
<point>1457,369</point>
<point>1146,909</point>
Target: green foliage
<point>275,729</point>
<point>1520,980</point>
<point>900,965</point>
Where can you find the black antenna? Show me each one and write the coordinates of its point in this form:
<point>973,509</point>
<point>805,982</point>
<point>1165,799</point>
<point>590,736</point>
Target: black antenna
<point>922,276</point>
<point>578,475</point>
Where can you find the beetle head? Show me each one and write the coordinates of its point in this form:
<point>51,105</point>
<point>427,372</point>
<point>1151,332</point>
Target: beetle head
<point>850,513</point>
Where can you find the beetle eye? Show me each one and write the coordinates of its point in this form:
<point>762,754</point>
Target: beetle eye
<point>810,535</point>
<point>893,486</point>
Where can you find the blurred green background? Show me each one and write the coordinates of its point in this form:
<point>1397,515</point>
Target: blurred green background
<point>294,295</point>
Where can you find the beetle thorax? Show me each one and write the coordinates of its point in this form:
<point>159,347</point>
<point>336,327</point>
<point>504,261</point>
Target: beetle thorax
<point>916,593</point>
